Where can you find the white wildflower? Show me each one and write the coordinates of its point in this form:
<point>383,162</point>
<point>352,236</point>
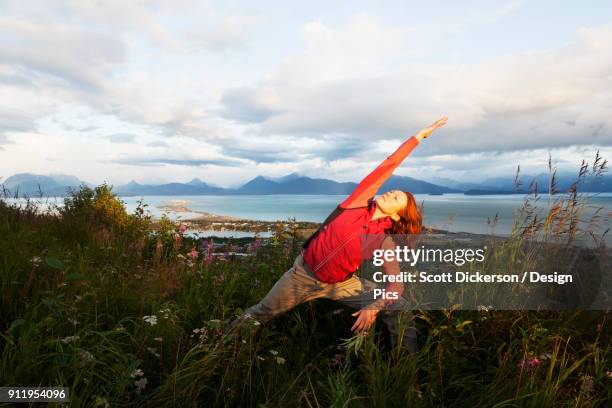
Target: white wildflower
<point>279,360</point>
<point>35,261</point>
<point>545,356</point>
<point>202,333</point>
<point>165,312</point>
<point>261,358</point>
<point>158,339</point>
<point>153,351</point>
<point>140,384</point>
<point>70,339</point>
<point>274,352</point>
<point>86,355</point>
<point>152,320</point>
<point>137,373</point>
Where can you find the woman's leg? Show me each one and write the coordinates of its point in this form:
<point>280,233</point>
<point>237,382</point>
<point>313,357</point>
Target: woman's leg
<point>296,286</point>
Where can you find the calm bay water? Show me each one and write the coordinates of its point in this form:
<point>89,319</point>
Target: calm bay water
<point>453,212</point>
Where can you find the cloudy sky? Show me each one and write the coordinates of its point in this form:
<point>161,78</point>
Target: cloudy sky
<point>158,91</point>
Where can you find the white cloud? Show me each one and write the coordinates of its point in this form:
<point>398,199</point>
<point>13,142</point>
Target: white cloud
<point>81,52</point>
<point>556,97</point>
<point>364,48</point>
<point>485,13</point>
<point>73,56</point>
<point>3,140</point>
<point>122,138</point>
<point>228,32</point>
<point>22,107</point>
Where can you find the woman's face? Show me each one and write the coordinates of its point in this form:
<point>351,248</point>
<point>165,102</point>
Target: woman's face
<point>392,202</point>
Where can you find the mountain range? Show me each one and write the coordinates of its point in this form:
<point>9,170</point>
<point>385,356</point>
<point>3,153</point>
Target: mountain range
<point>57,185</point>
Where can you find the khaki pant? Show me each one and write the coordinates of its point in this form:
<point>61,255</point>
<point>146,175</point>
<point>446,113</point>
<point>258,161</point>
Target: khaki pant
<point>299,285</point>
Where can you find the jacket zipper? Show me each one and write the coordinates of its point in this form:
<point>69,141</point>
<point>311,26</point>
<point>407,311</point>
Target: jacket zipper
<point>331,254</point>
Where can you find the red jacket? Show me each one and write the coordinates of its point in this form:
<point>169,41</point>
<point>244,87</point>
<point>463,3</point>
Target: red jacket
<point>334,252</point>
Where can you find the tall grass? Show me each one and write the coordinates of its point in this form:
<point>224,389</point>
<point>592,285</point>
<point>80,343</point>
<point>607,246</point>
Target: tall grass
<point>95,299</point>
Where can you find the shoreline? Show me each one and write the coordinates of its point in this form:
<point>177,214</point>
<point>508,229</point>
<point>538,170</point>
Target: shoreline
<point>217,222</point>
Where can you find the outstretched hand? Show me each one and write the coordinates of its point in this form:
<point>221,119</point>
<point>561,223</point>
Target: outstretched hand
<point>425,132</point>
<point>365,319</point>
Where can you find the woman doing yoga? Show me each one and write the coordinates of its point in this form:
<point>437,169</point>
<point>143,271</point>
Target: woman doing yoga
<point>326,265</point>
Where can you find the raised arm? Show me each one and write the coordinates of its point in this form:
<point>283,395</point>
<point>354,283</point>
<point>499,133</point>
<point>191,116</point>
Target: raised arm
<point>368,187</point>
<point>372,182</point>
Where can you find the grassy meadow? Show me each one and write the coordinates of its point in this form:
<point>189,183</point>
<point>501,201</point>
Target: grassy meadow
<point>130,312</point>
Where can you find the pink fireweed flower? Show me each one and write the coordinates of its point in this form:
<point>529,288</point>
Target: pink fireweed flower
<point>193,254</point>
<point>254,246</point>
<point>178,242</point>
<point>182,229</point>
<point>529,362</point>
<point>207,245</point>
<point>207,249</point>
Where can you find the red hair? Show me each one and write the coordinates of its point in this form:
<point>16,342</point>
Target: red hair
<point>410,222</point>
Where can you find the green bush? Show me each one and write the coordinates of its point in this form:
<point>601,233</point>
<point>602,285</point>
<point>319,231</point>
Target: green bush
<point>100,212</point>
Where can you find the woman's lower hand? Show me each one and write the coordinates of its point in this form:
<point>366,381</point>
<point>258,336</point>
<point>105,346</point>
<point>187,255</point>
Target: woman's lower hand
<point>425,132</point>
<point>365,318</point>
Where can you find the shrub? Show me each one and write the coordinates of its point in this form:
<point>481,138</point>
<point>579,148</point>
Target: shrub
<point>101,212</point>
